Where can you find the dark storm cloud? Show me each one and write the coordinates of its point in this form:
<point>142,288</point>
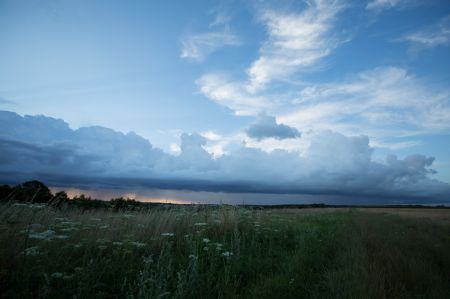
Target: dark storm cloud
<point>47,149</point>
<point>57,158</point>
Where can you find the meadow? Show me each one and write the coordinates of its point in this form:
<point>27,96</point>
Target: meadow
<point>220,252</point>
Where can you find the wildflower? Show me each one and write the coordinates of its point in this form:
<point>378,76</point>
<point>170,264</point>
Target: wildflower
<point>167,234</point>
<point>227,254</point>
<point>147,259</point>
<point>102,247</point>
<point>206,240</point>
<point>46,235</point>
<point>32,251</point>
<point>57,275</point>
<point>117,243</point>
<point>200,224</point>
<point>138,244</point>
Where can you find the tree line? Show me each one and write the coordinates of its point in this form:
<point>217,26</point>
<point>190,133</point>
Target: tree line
<point>36,192</point>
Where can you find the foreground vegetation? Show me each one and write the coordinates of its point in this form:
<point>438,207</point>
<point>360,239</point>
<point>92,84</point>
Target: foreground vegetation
<point>219,252</point>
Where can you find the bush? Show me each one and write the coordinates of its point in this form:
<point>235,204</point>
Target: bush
<point>32,191</point>
<point>5,192</point>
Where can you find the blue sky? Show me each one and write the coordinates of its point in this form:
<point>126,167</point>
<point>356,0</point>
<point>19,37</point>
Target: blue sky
<point>292,72</point>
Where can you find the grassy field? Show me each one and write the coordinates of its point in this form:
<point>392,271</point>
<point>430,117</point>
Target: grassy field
<point>222,252</point>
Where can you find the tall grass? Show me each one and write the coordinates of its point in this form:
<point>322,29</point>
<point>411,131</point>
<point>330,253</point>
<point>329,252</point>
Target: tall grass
<point>219,252</point>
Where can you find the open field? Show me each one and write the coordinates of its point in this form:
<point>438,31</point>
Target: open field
<point>441,215</point>
<point>223,252</point>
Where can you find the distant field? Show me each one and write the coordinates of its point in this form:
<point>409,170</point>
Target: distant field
<point>442,215</point>
<point>224,252</point>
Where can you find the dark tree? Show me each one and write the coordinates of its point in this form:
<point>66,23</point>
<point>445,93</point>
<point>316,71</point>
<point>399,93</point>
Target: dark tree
<point>5,192</point>
<point>32,191</point>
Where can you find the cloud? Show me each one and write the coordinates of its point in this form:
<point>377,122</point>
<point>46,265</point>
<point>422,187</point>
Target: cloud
<point>99,157</point>
<point>193,155</point>
<point>266,126</point>
<point>378,5</point>
<point>51,142</point>
<point>211,135</point>
<point>198,46</point>
<point>386,101</point>
<point>222,16</point>
<point>430,37</point>
<point>58,158</point>
<point>296,41</point>
<point>232,95</point>
<point>175,148</point>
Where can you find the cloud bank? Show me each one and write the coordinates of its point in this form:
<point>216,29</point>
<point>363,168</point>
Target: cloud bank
<point>47,148</point>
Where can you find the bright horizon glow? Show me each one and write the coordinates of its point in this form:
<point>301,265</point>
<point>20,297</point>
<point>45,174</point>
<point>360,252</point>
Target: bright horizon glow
<point>107,194</point>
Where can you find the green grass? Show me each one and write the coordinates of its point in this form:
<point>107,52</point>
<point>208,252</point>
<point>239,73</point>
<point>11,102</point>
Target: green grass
<point>224,252</point>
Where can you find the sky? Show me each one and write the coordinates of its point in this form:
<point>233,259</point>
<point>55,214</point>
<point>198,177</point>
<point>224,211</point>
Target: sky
<point>320,97</point>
